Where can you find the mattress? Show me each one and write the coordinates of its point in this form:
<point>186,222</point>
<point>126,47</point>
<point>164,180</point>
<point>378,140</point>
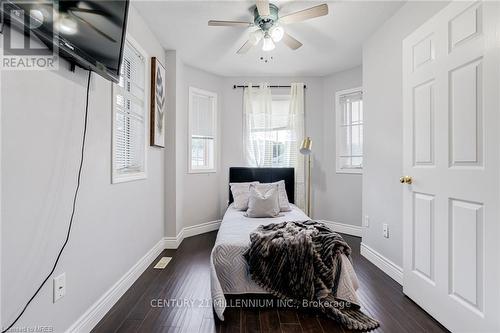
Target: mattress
<point>229,273</point>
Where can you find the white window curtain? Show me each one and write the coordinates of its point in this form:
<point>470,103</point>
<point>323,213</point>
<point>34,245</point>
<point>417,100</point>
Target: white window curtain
<point>258,117</point>
<point>297,117</point>
<point>274,129</point>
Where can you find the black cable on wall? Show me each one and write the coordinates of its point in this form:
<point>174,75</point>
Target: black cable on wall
<point>75,197</point>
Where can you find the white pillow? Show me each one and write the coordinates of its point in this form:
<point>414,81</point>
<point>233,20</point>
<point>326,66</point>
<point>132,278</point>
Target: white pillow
<point>282,196</point>
<point>241,193</point>
<point>263,203</point>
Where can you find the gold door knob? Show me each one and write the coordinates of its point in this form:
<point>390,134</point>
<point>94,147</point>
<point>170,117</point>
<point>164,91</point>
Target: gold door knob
<point>406,180</point>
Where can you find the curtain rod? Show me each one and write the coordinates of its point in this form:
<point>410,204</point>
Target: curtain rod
<point>236,86</point>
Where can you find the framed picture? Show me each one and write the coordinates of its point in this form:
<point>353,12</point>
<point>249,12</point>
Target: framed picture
<point>158,103</point>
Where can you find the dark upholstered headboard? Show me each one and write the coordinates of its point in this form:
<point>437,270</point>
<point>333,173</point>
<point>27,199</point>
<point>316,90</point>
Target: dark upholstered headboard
<point>264,175</point>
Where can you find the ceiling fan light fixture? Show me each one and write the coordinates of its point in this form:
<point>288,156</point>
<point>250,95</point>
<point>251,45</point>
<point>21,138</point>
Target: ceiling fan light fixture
<point>268,44</point>
<point>256,36</point>
<point>277,33</point>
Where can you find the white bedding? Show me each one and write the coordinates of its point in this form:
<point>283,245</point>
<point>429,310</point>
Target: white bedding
<point>229,270</point>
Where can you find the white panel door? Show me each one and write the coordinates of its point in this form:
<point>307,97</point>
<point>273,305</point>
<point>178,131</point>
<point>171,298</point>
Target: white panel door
<point>451,71</point>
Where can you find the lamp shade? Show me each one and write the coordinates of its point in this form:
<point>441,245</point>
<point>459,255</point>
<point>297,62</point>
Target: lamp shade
<point>276,33</point>
<point>256,36</point>
<point>268,44</point>
<point>306,146</point>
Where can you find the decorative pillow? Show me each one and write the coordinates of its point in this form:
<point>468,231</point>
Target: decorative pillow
<point>263,203</point>
<point>282,196</point>
<point>241,193</point>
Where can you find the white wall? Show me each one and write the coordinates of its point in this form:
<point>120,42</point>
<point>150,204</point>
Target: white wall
<point>382,81</point>
<point>340,193</point>
<point>114,225</point>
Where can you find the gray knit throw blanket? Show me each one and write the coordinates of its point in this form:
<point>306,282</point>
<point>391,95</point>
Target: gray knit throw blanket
<point>301,262</point>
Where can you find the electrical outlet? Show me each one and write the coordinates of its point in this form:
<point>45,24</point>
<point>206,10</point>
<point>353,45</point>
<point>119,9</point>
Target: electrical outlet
<point>59,286</point>
<point>386,230</point>
<point>366,221</point>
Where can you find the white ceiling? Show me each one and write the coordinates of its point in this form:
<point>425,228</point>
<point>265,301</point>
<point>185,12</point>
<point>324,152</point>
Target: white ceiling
<point>332,43</point>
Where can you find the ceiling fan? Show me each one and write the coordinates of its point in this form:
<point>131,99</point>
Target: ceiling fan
<point>270,25</point>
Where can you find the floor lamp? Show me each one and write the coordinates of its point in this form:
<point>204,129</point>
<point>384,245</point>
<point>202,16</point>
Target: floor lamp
<point>306,149</point>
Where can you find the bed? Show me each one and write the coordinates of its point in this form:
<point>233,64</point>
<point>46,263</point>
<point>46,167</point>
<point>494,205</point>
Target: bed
<point>229,269</point>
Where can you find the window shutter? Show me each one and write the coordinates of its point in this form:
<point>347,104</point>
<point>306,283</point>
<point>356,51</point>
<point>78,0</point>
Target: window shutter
<point>129,115</point>
<point>202,130</point>
<point>203,116</point>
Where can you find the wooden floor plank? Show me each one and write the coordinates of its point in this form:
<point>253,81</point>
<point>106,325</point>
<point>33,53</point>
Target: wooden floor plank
<point>250,321</point>
<point>309,322</point>
<point>129,326</point>
<point>187,278</point>
<point>269,320</point>
<point>232,322</point>
<point>288,316</point>
<point>291,328</point>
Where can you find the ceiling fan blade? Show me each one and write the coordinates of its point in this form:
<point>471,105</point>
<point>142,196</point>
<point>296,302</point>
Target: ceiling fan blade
<point>263,7</point>
<point>305,14</point>
<point>291,42</point>
<point>245,48</point>
<point>215,23</point>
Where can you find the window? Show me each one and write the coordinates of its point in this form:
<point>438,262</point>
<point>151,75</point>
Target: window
<point>202,130</point>
<point>273,128</point>
<point>274,135</point>
<point>349,124</point>
<point>129,117</point>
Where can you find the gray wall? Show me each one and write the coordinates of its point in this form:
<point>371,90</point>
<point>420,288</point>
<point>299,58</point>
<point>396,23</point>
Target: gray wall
<point>114,226</point>
<point>201,200</point>
<point>340,193</point>
<point>185,190</point>
<point>382,81</point>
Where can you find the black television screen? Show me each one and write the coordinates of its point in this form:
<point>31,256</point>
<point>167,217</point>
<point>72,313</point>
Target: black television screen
<point>90,34</point>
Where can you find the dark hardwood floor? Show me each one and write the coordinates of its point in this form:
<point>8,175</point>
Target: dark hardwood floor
<point>185,282</point>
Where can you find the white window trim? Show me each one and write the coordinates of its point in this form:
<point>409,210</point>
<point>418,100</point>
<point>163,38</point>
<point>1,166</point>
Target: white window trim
<point>193,90</point>
<point>119,178</point>
<point>338,94</point>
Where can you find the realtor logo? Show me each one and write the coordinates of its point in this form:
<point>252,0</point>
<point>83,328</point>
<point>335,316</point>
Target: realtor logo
<point>28,29</point>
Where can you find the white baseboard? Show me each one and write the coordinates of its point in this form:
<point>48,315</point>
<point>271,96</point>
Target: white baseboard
<point>343,228</point>
<point>201,228</point>
<point>174,242</point>
<point>98,310</point>
<point>386,265</point>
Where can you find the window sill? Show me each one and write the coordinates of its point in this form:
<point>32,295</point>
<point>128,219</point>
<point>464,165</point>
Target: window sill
<point>202,171</point>
<point>118,179</point>
<point>350,171</point>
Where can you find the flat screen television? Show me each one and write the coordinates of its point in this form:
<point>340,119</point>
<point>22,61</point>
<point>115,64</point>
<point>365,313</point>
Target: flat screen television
<point>90,34</point>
